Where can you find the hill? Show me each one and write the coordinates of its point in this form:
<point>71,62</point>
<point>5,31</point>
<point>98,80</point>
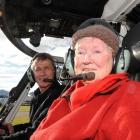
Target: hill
<point>4,94</point>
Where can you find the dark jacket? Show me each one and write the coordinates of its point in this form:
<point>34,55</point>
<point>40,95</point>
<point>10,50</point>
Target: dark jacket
<point>39,108</point>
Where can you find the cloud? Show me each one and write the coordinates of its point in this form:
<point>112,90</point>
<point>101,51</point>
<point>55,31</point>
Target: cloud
<point>54,46</point>
<point>14,63</point>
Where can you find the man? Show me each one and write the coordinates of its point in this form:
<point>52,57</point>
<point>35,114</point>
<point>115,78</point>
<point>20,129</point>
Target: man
<point>44,72</point>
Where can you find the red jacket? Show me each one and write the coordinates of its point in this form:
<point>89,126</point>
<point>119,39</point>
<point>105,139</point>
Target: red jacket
<point>105,110</point>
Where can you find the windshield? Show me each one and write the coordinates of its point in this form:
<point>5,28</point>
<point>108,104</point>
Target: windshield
<point>14,63</point>
<point>54,46</point>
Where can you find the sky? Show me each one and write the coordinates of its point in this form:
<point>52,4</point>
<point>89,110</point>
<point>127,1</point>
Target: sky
<point>14,63</point>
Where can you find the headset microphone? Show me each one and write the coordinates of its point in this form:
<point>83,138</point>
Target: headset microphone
<point>83,76</point>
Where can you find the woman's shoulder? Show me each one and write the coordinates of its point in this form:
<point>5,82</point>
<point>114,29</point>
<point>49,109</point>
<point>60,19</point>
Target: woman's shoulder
<point>133,85</point>
<point>131,93</point>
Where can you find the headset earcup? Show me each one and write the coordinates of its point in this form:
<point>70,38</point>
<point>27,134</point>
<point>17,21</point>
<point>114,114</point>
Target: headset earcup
<point>69,63</point>
<point>68,67</point>
<point>30,74</point>
<point>122,61</point>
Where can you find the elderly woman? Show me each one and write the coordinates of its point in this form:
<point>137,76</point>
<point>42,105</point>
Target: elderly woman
<point>105,108</point>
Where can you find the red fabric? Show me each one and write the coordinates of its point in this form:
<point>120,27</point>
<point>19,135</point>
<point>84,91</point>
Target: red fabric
<point>94,112</point>
<point>78,98</point>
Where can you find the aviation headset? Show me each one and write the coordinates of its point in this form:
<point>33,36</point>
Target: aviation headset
<point>121,60</point>
<point>42,56</point>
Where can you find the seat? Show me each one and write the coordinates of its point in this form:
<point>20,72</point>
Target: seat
<point>132,42</point>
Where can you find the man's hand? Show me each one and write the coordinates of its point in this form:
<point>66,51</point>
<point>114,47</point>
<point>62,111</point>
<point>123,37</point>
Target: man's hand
<point>6,128</point>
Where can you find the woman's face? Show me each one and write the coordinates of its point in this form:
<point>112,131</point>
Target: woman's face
<point>93,55</point>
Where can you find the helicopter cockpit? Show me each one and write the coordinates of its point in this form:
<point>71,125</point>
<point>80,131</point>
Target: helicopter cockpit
<point>27,24</point>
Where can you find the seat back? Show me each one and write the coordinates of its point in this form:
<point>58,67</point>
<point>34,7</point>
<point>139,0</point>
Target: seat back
<point>132,42</point>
